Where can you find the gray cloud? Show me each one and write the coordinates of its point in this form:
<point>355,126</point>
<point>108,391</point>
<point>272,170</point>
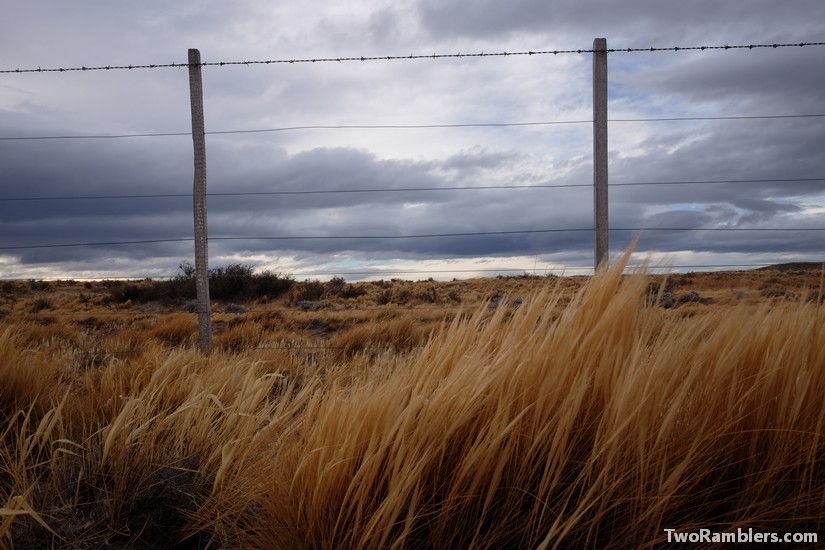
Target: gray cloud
<point>635,21</point>
<point>772,81</point>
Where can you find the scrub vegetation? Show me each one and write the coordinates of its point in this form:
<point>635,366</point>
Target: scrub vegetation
<point>517,412</point>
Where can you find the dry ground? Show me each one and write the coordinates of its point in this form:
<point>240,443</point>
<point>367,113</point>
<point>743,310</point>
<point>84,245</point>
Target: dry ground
<point>516,412</point>
<point>345,315</point>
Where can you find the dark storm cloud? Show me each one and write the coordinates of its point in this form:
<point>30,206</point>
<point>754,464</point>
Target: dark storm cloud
<point>790,82</point>
<point>387,213</point>
<point>635,21</point>
<point>104,169</point>
<point>49,172</point>
<point>751,204</point>
<point>727,150</point>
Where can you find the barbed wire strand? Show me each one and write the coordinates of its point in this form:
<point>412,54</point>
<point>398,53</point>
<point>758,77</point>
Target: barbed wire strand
<point>411,57</point>
<point>407,126</point>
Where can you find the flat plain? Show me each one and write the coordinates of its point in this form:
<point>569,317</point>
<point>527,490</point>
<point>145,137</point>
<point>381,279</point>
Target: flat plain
<point>523,412</point>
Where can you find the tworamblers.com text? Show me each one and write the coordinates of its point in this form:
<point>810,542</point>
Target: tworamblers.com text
<point>740,535</point>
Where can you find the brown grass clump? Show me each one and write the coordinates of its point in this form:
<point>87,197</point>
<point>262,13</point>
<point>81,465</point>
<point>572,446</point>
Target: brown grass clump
<point>596,429</point>
<point>591,421</point>
<point>175,329</point>
<point>399,334</point>
<point>127,459</point>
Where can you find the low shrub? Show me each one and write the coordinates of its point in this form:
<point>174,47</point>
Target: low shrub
<point>235,282</point>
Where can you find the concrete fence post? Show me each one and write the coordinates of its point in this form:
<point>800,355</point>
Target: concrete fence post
<point>199,203</point>
<point>600,246</point>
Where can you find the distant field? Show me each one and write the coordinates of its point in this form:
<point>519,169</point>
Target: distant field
<point>100,316</point>
<point>514,412</point>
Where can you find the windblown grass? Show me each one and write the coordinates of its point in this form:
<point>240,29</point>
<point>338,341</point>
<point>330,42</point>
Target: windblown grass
<point>593,425</point>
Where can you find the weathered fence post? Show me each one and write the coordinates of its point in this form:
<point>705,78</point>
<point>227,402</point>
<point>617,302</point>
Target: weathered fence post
<point>199,202</point>
<point>600,246</point>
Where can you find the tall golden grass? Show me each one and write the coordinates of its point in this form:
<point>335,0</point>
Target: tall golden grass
<point>593,425</point>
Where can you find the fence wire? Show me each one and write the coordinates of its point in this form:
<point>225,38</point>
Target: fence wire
<point>404,237</point>
<point>411,57</point>
<point>398,190</point>
<point>406,127</point>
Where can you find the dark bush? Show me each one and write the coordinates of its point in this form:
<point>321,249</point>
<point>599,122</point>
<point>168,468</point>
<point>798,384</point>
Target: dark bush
<point>663,299</point>
<point>692,297</point>
<point>384,298</point>
<point>429,296</point>
<point>272,285</point>
<point>309,291</point>
<point>235,282</point>
<point>231,282</point>
<point>39,285</point>
<point>778,293</point>
<point>352,291</point>
<point>40,304</point>
<point>337,286</point>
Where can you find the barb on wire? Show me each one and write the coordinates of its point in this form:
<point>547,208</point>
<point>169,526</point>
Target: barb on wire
<point>409,57</point>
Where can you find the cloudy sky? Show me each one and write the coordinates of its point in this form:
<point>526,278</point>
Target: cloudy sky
<point>748,173</point>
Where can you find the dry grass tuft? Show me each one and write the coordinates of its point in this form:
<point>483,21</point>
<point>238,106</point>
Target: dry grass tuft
<point>597,428</point>
<point>132,459</point>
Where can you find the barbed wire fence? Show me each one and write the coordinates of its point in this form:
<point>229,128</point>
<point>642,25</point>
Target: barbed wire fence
<point>434,235</point>
<point>410,57</point>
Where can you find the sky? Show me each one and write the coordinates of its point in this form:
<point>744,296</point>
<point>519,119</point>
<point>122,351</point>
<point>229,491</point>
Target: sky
<point>760,180</point>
